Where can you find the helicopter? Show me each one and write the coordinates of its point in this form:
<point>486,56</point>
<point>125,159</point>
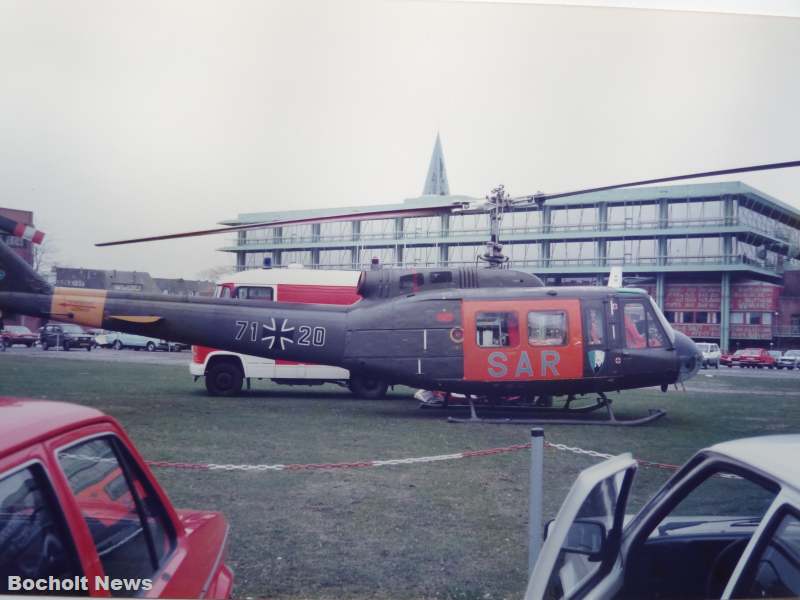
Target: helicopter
<point>491,332</point>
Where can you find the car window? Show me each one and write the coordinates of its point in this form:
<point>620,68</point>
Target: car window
<point>774,571</point>
<point>127,522</point>
<point>580,556</point>
<point>699,537</point>
<point>264,294</point>
<point>34,540</point>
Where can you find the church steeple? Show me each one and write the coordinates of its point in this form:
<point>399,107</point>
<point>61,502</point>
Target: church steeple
<point>436,180</point>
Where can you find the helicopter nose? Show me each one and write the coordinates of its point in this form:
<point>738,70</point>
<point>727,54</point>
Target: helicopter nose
<point>689,357</point>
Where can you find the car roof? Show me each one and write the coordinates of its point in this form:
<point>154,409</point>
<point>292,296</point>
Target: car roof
<point>773,455</point>
<point>27,421</point>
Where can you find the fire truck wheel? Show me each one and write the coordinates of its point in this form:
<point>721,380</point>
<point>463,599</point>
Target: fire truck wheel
<point>224,379</point>
<point>368,387</point>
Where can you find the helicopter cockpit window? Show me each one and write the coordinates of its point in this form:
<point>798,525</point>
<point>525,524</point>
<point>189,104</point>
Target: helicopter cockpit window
<point>641,328</point>
<point>496,329</point>
<point>255,293</point>
<point>547,328</point>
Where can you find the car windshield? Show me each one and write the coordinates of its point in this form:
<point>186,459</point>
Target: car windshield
<point>751,352</point>
<point>792,353</point>
<point>18,329</point>
<point>69,328</point>
<point>704,347</point>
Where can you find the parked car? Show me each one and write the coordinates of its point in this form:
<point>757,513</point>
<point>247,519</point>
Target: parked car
<point>711,354</point>
<point>730,359</point>
<point>756,358</point>
<point>18,334</point>
<point>118,341</point>
<point>64,335</point>
<point>789,360</point>
<point>77,501</point>
<point>726,525</point>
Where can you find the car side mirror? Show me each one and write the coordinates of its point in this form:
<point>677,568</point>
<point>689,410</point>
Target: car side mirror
<point>585,537</point>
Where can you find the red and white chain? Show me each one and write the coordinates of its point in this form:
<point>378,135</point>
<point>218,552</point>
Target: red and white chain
<point>393,461</point>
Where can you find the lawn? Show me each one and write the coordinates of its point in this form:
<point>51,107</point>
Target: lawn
<point>453,529</point>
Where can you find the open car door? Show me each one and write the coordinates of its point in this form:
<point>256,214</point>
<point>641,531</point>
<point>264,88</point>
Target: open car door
<point>583,542</point>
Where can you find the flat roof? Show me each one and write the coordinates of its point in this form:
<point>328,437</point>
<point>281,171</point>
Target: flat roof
<point>690,192</point>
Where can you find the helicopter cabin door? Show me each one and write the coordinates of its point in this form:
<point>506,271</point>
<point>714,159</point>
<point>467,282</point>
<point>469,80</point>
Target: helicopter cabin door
<point>603,353</point>
<point>522,340</point>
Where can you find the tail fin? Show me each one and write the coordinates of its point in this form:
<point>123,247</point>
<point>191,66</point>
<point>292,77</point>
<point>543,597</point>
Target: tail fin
<point>17,276</point>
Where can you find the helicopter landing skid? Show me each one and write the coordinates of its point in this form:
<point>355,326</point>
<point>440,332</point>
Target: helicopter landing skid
<point>549,415</point>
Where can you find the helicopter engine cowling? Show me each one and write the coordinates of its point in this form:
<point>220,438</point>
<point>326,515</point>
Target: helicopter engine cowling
<point>391,283</point>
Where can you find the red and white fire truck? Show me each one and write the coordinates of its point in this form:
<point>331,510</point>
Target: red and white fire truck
<point>226,372</point>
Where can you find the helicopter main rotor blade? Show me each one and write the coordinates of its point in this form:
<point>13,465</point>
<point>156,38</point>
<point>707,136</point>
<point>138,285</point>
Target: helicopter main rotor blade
<point>430,211</point>
<point>767,167</point>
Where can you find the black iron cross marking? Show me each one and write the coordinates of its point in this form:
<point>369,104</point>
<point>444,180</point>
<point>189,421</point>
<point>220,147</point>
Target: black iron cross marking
<point>271,332</point>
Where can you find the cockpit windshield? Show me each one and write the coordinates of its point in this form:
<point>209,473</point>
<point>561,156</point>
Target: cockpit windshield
<point>664,323</point>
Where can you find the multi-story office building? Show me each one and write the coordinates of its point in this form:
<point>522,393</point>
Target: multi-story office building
<point>713,255</point>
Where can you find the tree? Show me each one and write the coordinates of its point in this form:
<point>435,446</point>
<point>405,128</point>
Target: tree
<point>214,273</point>
<point>45,258</point>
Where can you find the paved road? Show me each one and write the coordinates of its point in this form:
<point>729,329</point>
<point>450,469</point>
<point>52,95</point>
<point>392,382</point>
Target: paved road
<point>728,371</point>
<point>101,354</point>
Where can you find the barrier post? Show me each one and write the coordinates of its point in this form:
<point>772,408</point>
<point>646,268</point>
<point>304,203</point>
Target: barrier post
<point>535,499</point>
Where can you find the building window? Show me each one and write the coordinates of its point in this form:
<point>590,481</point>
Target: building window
<point>737,318</point>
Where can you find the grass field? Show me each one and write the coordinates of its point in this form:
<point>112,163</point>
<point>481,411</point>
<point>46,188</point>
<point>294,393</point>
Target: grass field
<point>455,529</point>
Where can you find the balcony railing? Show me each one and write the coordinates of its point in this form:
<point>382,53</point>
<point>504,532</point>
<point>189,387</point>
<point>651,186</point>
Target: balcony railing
<point>402,237</point>
<point>787,330</point>
<point>554,264</point>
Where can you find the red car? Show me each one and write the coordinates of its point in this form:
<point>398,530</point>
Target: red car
<point>730,359</point>
<point>754,357</point>
<point>18,334</point>
<point>81,513</point>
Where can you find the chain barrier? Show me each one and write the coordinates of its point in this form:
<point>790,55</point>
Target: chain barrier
<point>367,464</point>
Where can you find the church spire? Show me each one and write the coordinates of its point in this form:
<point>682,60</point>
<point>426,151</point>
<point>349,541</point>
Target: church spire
<point>436,180</point>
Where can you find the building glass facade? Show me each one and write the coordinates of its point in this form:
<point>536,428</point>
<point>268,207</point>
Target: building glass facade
<point>721,235</point>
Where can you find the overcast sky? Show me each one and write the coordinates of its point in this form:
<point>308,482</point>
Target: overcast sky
<point>120,119</point>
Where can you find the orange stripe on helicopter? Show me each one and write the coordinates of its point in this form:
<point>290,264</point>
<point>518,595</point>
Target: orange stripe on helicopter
<point>78,305</point>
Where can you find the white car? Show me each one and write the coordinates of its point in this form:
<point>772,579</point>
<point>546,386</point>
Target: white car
<point>790,359</point>
<point>727,525</point>
<point>711,354</point>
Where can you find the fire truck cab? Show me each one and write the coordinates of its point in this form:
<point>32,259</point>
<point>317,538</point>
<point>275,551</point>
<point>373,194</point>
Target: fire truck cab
<point>226,372</point>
